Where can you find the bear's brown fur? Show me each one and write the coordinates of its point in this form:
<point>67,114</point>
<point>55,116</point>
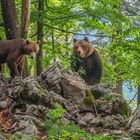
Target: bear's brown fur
<point>13,51</point>
<point>92,61</point>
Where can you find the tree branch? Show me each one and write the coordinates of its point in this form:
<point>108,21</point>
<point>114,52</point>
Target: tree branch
<point>74,33</point>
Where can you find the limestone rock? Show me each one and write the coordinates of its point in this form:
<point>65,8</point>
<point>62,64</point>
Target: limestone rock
<point>27,127</point>
<point>134,122</point>
<point>116,132</point>
<point>3,104</point>
<point>96,122</point>
<point>66,83</point>
<point>31,92</point>
<point>99,90</point>
<point>51,78</point>
<point>74,88</point>
<point>87,117</point>
<point>112,121</point>
<point>82,123</point>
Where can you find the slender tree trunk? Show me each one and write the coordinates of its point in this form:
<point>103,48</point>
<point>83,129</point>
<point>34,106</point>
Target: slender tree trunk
<point>119,87</point>
<point>119,83</point>
<point>53,44</point>
<point>11,25</point>
<point>118,30</point>
<point>25,18</point>
<point>66,41</point>
<point>138,95</point>
<point>39,57</point>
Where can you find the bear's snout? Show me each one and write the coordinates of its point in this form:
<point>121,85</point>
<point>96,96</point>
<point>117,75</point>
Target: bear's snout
<point>32,55</point>
<point>78,52</point>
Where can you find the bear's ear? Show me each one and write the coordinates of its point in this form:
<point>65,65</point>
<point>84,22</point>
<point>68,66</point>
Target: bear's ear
<point>38,42</point>
<point>28,42</point>
<point>74,40</point>
<point>86,39</point>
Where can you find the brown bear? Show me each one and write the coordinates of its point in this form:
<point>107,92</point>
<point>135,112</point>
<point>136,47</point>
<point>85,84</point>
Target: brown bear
<point>13,51</point>
<point>92,62</point>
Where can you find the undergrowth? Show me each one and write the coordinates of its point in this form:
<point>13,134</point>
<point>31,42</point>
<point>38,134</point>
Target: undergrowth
<point>57,129</point>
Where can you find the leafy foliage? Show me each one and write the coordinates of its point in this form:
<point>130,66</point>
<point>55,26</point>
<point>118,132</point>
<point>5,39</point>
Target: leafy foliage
<point>58,129</point>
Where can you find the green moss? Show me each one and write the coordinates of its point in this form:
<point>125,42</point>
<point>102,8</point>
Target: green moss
<point>121,106</point>
<point>9,136</point>
<point>21,137</point>
<point>110,97</point>
<point>124,109</point>
<point>41,90</point>
<point>89,98</point>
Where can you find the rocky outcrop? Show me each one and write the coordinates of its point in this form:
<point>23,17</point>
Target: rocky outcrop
<point>51,78</point>
<point>65,83</point>
<point>134,123</point>
<point>25,103</point>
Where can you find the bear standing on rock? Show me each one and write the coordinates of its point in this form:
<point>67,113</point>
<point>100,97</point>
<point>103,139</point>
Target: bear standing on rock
<point>12,52</point>
<point>92,62</point>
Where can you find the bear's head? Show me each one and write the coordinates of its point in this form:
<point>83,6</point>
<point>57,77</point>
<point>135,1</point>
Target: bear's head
<point>83,48</point>
<point>31,48</point>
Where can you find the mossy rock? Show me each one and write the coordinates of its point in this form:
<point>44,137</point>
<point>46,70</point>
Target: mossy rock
<point>41,90</point>
<point>120,106</point>
<point>89,98</point>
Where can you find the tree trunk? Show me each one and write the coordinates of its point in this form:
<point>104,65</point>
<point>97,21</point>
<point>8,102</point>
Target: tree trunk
<point>53,44</point>
<point>11,25</point>
<point>39,62</point>
<point>119,83</point>
<point>138,95</point>
<point>25,18</point>
<point>119,87</point>
<point>66,42</point>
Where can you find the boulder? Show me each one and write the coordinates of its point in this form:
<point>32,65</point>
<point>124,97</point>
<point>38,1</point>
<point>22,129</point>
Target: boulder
<point>68,84</point>
<point>50,78</point>
<point>100,90</point>
<point>3,104</point>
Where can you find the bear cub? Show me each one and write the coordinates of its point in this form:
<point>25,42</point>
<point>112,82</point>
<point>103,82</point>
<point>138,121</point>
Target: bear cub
<point>13,51</point>
<point>92,62</point>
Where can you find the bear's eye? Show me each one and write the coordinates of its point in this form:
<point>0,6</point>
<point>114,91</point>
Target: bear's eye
<point>76,47</point>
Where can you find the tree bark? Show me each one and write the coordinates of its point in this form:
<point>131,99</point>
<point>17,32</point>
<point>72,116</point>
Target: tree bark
<point>39,62</point>
<point>119,87</point>
<point>11,25</point>
<point>25,18</point>
<point>138,95</point>
<point>53,43</point>
<point>119,83</point>
<point>66,42</point>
